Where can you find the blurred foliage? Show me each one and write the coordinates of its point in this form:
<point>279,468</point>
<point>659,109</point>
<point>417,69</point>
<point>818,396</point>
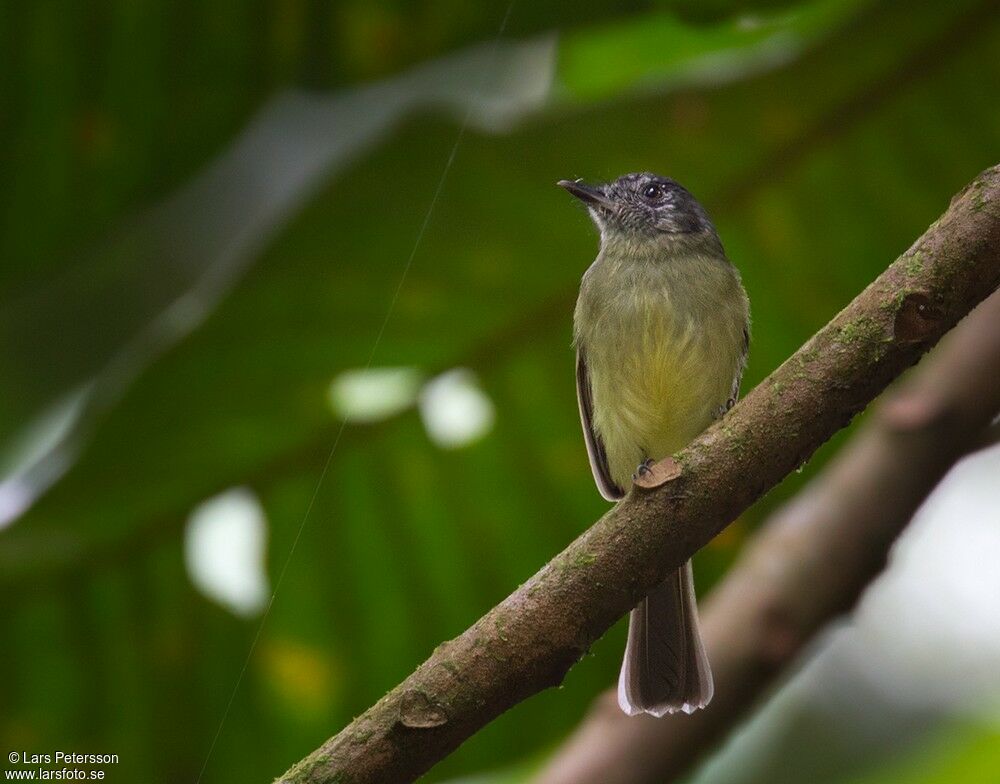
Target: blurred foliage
<point>960,753</point>
<point>823,137</point>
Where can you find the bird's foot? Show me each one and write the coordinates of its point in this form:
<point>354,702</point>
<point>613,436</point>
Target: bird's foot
<point>645,467</point>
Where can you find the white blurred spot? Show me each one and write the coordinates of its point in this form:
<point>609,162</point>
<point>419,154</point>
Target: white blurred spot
<point>38,455</point>
<point>224,551</point>
<point>373,394</point>
<point>15,498</point>
<point>928,630</point>
<point>454,409</point>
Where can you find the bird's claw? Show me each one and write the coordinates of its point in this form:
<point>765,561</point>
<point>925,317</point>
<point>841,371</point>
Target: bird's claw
<point>645,467</point>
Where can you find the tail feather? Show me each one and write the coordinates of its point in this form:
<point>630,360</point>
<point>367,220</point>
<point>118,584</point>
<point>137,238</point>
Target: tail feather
<point>665,668</point>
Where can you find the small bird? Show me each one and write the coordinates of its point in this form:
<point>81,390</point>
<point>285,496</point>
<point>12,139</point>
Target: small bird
<point>662,331</point>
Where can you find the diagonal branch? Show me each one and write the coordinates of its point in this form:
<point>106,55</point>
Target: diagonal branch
<point>810,561</point>
<point>530,640</point>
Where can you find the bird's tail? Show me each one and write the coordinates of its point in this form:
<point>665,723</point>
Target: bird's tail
<point>665,668</point>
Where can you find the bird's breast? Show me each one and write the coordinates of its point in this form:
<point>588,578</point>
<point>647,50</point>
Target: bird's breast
<point>661,361</point>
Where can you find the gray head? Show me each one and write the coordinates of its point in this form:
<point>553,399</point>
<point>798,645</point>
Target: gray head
<point>644,206</point>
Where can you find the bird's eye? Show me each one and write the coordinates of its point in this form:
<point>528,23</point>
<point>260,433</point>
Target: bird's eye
<point>653,192</point>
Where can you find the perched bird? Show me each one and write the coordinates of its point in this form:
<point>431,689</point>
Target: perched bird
<point>662,330</point>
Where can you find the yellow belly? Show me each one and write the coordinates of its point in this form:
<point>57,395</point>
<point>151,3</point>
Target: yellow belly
<point>656,397</point>
<point>662,357</point>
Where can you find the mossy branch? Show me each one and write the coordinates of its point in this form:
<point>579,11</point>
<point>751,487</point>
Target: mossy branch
<point>530,640</point>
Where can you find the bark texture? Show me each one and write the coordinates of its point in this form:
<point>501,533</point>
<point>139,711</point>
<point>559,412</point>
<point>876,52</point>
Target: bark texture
<point>530,640</point>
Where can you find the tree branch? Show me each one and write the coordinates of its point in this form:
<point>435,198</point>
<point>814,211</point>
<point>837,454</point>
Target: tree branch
<point>810,561</point>
<point>530,640</point>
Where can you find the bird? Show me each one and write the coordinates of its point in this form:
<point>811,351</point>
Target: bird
<point>662,333</point>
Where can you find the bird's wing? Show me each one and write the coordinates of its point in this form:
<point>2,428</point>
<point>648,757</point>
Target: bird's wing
<point>741,365</point>
<point>595,448</point>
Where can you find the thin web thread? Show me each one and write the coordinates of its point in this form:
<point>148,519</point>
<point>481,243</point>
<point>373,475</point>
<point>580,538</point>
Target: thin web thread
<point>340,431</point>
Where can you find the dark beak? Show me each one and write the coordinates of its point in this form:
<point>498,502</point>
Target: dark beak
<point>588,194</point>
